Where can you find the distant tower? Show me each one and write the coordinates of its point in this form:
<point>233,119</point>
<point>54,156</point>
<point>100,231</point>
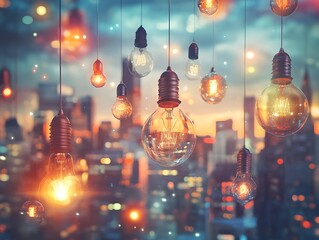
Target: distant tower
<point>133,85</point>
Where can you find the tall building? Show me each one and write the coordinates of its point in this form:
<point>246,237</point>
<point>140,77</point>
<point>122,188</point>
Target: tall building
<point>286,190</point>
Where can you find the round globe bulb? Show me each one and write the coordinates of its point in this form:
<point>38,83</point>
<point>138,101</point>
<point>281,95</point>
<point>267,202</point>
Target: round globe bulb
<point>208,7</point>
<point>122,108</point>
<point>282,109</point>
<point>168,136</point>
<point>213,88</point>
<point>192,70</point>
<point>7,92</point>
<point>98,80</point>
<point>140,62</point>
<point>243,188</point>
<point>32,212</point>
<point>283,7</point>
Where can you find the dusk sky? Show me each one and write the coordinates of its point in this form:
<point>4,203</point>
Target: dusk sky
<point>25,45</point>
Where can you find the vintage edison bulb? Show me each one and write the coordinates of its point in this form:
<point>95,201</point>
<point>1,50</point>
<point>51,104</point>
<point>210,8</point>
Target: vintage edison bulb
<point>208,7</point>
<point>32,212</point>
<point>213,88</point>
<point>282,109</point>
<point>122,108</point>
<point>140,62</point>
<point>98,79</point>
<point>168,136</point>
<point>244,188</point>
<point>283,7</point>
<point>192,70</point>
<point>60,186</point>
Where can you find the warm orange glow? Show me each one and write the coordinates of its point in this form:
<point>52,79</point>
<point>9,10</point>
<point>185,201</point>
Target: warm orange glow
<point>7,92</point>
<point>281,107</point>
<point>280,161</point>
<point>212,87</point>
<point>301,198</point>
<point>61,189</point>
<point>209,140</point>
<point>312,166</point>
<point>249,205</point>
<point>298,217</point>
<point>243,191</point>
<point>317,220</point>
<point>306,224</point>
<point>134,215</point>
<point>283,4</point>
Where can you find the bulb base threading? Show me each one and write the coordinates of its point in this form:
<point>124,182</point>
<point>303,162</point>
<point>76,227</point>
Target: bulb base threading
<point>140,38</point>
<point>121,90</point>
<point>281,68</point>
<point>193,51</point>
<point>60,134</point>
<point>244,161</point>
<point>168,96</point>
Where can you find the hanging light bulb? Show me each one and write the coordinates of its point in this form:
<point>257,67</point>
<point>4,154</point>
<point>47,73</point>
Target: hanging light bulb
<point>192,70</point>
<point>98,79</point>
<point>122,108</point>
<point>282,109</point>
<point>32,212</point>
<point>244,187</point>
<point>140,61</point>
<point>168,135</point>
<point>213,87</point>
<point>208,7</point>
<point>5,82</point>
<point>283,7</point>
<point>60,186</point>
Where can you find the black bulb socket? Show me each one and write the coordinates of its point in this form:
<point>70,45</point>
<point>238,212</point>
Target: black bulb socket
<point>244,160</point>
<point>140,38</point>
<point>121,90</point>
<point>281,68</point>
<point>193,51</point>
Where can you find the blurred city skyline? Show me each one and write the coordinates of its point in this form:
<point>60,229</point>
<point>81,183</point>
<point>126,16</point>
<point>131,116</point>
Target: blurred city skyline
<point>28,49</point>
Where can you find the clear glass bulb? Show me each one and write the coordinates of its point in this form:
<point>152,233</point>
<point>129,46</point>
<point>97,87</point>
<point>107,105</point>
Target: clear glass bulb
<point>122,108</point>
<point>213,88</point>
<point>193,69</point>
<point>243,188</point>
<point>32,212</point>
<point>60,186</point>
<point>168,136</point>
<point>98,79</point>
<point>283,7</point>
<point>140,62</point>
<point>208,7</point>
<point>282,109</point>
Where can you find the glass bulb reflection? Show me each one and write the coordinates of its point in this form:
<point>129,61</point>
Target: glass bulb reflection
<point>208,7</point>
<point>283,7</point>
<point>243,188</point>
<point>60,186</point>
<point>32,212</point>
<point>140,62</point>
<point>122,108</point>
<point>192,70</point>
<point>213,88</point>
<point>168,136</point>
<point>282,109</point>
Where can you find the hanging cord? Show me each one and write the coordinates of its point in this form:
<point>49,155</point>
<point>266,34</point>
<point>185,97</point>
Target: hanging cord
<point>15,77</point>
<point>60,55</point>
<point>281,29</point>
<point>213,37</point>
<point>121,40</point>
<point>245,63</point>
<point>194,20</point>
<point>141,12</point>
<point>169,32</point>
<point>97,30</point>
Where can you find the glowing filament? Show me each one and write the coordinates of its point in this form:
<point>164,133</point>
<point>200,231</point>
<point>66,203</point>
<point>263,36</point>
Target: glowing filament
<point>283,4</point>
<point>193,70</point>
<point>140,59</point>
<point>243,191</point>
<point>61,190</point>
<point>282,107</point>
<point>168,139</point>
<point>213,87</point>
<point>7,92</point>
<point>209,3</point>
<point>32,212</point>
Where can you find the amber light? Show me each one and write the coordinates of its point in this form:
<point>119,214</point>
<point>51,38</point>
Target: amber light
<point>134,215</point>
<point>7,92</point>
